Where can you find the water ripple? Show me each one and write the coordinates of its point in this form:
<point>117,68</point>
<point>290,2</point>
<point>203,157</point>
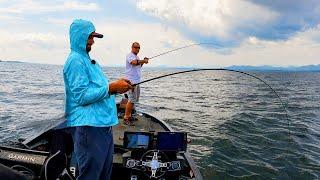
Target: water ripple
<point>237,126</point>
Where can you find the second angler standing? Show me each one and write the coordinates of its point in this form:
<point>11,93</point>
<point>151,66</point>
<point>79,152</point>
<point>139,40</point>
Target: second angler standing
<point>133,73</point>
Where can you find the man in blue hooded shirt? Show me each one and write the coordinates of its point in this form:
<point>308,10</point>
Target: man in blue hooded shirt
<point>90,106</point>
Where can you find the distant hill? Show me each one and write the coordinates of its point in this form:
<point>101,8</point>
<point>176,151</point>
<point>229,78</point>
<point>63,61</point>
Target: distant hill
<point>240,68</point>
<point>275,68</point>
<point>11,61</point>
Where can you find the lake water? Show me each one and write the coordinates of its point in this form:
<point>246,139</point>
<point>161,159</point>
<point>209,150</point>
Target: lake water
<point>236,123</point>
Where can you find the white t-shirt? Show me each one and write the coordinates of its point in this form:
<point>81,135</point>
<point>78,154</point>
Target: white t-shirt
<point>133,72</point>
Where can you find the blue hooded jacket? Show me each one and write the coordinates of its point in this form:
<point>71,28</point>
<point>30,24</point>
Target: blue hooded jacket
<point>88,102</point>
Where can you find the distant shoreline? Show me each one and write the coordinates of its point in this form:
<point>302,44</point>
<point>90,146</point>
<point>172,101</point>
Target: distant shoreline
<point>306,68</point>
<point>13,61</point>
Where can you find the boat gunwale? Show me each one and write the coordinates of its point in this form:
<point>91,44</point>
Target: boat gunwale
<point>186,154</point>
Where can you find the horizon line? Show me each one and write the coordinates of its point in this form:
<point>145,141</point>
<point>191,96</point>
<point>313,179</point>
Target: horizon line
<point>169,66</point>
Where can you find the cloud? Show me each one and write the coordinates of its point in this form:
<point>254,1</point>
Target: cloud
<point>38,7</point>
<point>33,47</point>
<point>59,21</point>
<point>235,20</point>
<point>300,49</point>
<point>74,5</point>
<point>9,18</point>
<point>155,38</point>
<point>246,33</point>
<point>221,18</point>
<point>37,40</point>
<point>53,47</point>
<point>312,34</point>
<point>119,35</point>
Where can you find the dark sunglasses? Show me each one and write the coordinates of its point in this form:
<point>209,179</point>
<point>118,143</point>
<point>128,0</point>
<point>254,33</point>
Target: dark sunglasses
<point>136,47</point>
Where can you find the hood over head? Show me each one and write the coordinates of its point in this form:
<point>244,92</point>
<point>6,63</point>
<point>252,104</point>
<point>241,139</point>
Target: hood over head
<point>79,33</point>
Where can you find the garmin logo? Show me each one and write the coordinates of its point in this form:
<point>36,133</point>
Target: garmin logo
<point>21,157</point>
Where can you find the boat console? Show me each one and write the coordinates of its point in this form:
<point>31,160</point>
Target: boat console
<point>154,154</point>
<point>149,150</point>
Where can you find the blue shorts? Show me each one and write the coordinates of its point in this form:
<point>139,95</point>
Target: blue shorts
<point>93,148</point>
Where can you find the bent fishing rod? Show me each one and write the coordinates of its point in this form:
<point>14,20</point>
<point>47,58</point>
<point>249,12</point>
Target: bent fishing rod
<point>223,69</point>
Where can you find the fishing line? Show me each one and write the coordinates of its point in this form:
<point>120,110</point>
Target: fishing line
<point>230,70</point>
<point>190,45</point>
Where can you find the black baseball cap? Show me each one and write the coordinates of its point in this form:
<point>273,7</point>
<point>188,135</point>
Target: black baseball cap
<point>97,35</point>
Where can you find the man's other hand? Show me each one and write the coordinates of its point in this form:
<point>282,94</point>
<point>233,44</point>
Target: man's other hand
<point>126,80</point>
<point>120,86</point>
<point>145,60</point>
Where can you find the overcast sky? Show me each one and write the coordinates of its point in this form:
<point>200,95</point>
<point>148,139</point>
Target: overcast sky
<point>242,32</point>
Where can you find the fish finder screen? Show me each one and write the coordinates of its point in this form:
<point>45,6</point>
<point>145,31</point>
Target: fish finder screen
<point>138,141</point>
<point>172,141</point>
